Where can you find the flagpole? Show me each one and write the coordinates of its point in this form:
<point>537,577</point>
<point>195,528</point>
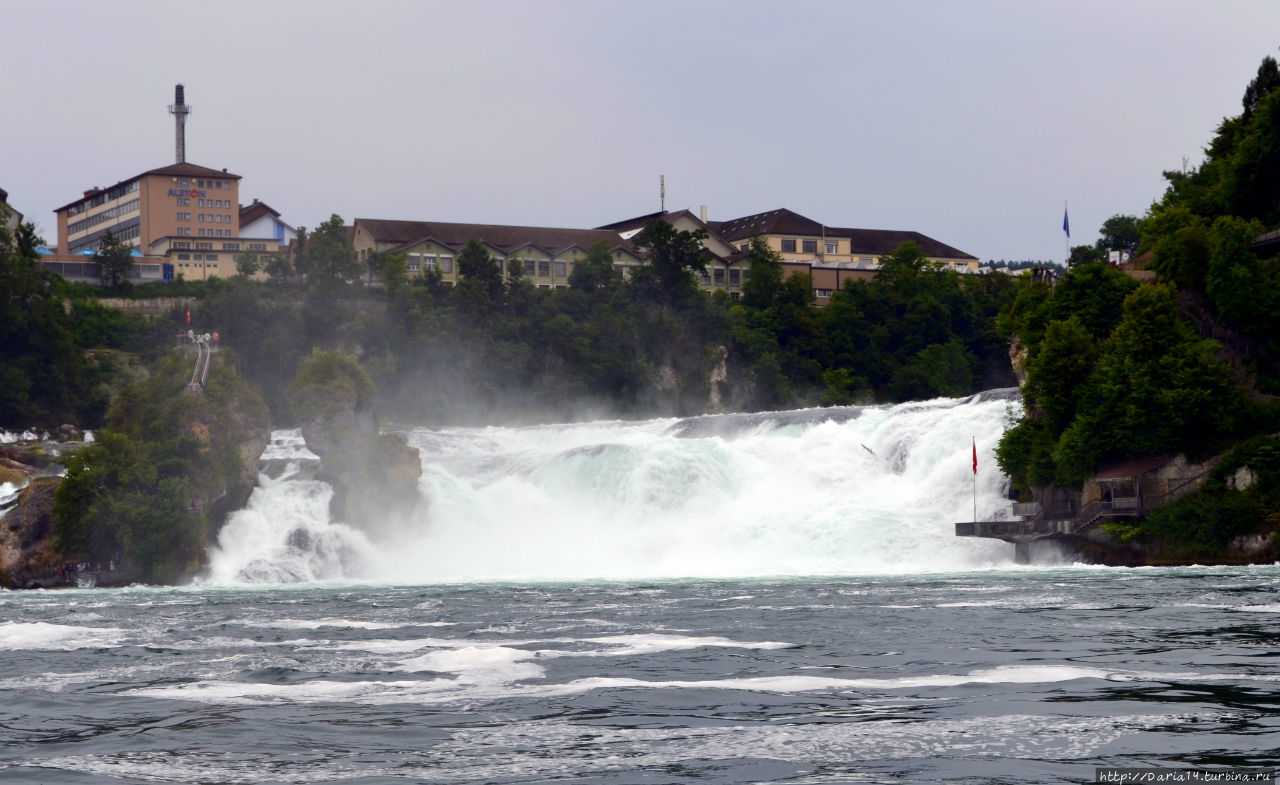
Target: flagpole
<point>975,479</point>
<point>1066,228</point>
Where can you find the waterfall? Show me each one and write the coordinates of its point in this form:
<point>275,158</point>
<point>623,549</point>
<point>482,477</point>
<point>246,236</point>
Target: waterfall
<point>835,491</point>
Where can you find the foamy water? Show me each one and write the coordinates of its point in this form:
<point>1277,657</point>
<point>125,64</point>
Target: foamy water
<point>855,490</point>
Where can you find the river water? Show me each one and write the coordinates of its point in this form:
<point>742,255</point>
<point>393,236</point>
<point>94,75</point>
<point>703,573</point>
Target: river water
<point>720,600</point>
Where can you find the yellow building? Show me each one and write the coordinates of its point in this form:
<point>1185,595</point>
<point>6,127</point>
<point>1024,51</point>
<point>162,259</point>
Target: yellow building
<point>546,255</point>
<point>184,215</point>
<point>831,254</point>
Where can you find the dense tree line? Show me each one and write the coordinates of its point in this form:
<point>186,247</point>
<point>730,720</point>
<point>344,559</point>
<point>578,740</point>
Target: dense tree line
<point>496,348</point>
<point>62,356</point>
<point>1116,370</point>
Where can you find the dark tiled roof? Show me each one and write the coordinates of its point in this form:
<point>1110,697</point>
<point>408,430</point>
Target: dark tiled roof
<point>780,221</point>
<point>868,241</point>
<point>173,170</point>
<point>185,169</point>
<point>628,224</point>
<point>503,238</point>
<point>886,241</point>
<point>255,211</point>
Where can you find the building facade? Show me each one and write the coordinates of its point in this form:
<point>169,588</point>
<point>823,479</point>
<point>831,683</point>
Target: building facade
<point>546,255</point>
<point>180,200</point>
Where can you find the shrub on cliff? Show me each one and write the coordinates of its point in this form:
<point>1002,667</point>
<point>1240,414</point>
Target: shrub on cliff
<point>327,384</point>
<point>148,492</point>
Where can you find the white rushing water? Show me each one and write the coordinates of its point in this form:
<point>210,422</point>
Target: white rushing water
<point>854,490</point>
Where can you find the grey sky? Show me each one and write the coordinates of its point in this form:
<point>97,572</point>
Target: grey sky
<point>971,122</point>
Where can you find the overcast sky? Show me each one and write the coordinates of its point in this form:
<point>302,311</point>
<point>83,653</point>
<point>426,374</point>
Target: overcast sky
<point>970,121</point>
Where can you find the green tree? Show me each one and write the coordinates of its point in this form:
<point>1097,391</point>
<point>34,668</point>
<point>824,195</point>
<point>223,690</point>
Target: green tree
<point>1265,83</point>
<point>475,264</point>
<point>1241,290</point>
<point>1065,359</point>
<point>594,272</point>
<point>674,258</point>
<point>1158,388</point>
<point>1119,233</point>
<point>248,263</point>
<point>115,259</point>
<point>278,266</point>
<point>327,257</point>
<point>1083,254</point>
<point>763,284</point>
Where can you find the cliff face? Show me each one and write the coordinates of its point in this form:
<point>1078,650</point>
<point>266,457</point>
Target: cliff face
<point>26,536</point>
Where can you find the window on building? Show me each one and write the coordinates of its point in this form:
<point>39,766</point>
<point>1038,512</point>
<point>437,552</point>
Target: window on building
<point>184,231</point>
<point>231,246</point>
<point>744,246</point>
<point>735,277</point>
<point>831,246</point>
<point>184,216</point>
<point>182,245</point>
<point>529,268</point>
<point>204,246</point>
<point>706,279</point>
<point>184,256</point>
<point>809,246</point>
<point>821,292</point>
<point>412,261</point>
<point>211,257</point>
<point>719,276</point>
<point>562,270</point>
<point>788,245</point>
<point>257,246</point>
<point>620,269</point>
<point>446,264</point>
<point>184,201</point>
<point>544,268</point>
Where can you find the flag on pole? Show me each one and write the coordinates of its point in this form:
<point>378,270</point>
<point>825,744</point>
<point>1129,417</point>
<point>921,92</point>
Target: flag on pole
<point>1066,225</point>
<point>975,456</point>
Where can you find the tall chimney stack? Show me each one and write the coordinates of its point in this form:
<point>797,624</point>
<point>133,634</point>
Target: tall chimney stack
<point>179,110</point>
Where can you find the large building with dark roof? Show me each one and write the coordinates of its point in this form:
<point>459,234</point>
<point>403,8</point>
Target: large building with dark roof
<point>546,254</point>
<point>799,238</point>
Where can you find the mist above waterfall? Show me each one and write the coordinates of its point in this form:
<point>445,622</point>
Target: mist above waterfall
<point>848,490</point>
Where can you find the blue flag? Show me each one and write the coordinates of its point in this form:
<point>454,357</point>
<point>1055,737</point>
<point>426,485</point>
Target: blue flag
<point>1066,226</point>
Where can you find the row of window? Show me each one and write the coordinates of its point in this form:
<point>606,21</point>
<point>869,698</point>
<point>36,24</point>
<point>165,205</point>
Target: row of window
<point>426,262</point>
<point>217,185</point>
<point>122,234</point>
<point>213,202</point>
<point>108,195</point>
<point>213,218</point>
<point>735,276</point>
<point>103,217</point>
<point>208,257</point>
<point>806,246</point>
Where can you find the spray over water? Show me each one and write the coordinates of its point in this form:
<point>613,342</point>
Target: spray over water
<point>849,490</point>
